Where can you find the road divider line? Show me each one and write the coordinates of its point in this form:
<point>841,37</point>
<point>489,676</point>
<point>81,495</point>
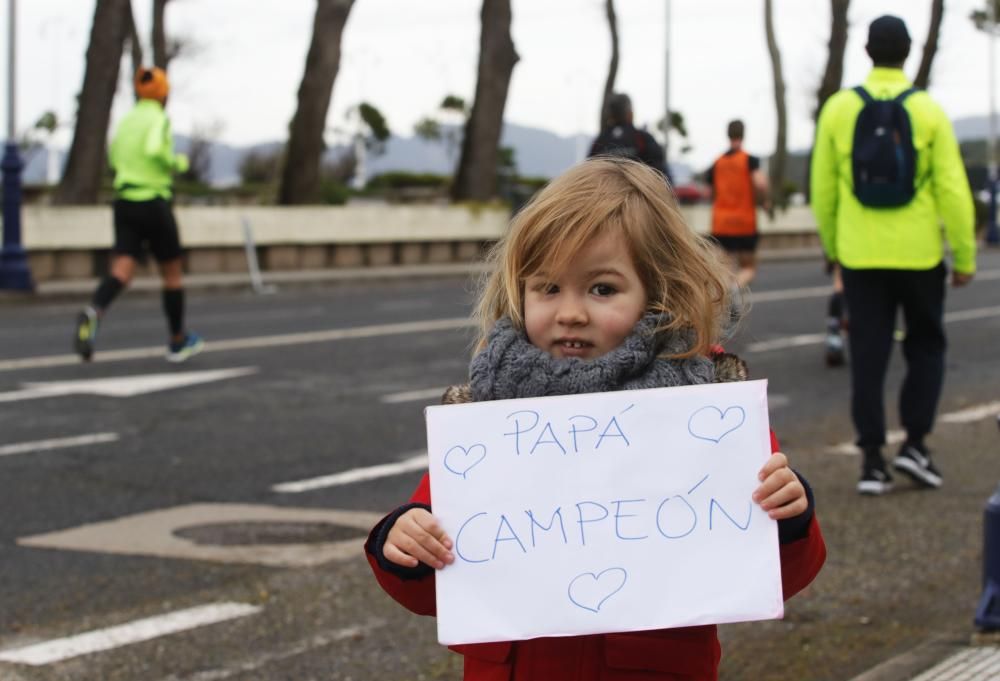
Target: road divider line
<point>790,294</point>
<point>57,443</point>
<point>787,342</point>
<point>967,415</point>
<point>413,395</point>
<point>414,462</point>
<point>311,644</point>
<point>971,414</point>
<point>801,340</point>
<point>309,337</point>
<point>56,650</point>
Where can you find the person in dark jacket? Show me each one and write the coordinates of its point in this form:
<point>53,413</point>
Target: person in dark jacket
<point>620,137</point>
<point>619,294</point>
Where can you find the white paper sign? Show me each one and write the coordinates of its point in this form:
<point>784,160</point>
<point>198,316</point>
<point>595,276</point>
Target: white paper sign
<point>606,512</point>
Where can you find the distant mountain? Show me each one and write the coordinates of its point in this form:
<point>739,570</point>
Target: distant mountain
<point>972,128</point>
<point>539,153</point>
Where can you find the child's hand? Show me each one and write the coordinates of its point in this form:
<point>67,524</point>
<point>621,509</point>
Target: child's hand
<point>781,493</point>
<point>416,536</point>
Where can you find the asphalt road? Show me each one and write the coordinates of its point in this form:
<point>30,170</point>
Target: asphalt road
<point>312,382</point>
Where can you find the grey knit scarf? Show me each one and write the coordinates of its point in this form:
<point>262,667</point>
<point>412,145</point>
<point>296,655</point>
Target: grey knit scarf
<point>510,366</point>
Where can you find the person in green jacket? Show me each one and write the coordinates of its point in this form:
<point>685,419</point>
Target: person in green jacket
<point>886,174</point>
<point>143,159</point>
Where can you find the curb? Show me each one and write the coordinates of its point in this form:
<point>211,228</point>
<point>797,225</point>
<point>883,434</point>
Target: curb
<point>76,287</point>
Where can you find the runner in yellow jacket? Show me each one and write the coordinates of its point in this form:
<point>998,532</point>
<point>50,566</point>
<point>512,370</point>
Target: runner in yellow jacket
<point>142,156</point>
<point>892,256</point>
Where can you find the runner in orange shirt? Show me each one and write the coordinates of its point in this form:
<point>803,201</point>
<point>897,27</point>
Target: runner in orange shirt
<point>737,183</point>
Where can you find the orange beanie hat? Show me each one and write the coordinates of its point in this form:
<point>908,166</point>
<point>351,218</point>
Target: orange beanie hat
<point>152,84</point>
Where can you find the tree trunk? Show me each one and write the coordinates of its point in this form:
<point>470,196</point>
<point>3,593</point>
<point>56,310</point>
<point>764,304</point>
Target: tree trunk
<point>476,178</point>
<point>81,180</point>
<point>777,163</point>
<point>833,76</point>
<point>923,79</point>
<point>160,57</point>
<point>609,85</point>
<point>300,175</point>
<point>134,43</point>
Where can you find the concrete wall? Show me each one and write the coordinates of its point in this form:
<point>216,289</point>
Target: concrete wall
<point>73,242</point>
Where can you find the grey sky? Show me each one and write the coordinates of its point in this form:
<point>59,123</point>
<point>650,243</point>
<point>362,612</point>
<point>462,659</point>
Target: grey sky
<point>404,56</point>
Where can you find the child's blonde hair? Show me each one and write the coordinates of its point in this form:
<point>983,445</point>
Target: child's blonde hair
<point>681,272</point>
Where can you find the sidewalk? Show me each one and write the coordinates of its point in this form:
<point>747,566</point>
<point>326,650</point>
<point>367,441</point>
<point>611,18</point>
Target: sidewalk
<point>942,659</point>
<point>898,594</point>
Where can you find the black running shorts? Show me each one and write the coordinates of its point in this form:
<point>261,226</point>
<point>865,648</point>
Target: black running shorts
<point>737,244</point>
<point>146,224</point>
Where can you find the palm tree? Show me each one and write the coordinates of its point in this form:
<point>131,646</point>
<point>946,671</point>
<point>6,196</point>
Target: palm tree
<point>609,84</point>
<point>300,177</point>
<point>160,56</point>
<point>923,79</point>
<point>833,75</point>
<point>85,164</point>
<point>476,178</point>
<point>777,163</point>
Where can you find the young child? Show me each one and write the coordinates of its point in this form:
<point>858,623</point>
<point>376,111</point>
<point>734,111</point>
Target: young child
<point>599,285</point>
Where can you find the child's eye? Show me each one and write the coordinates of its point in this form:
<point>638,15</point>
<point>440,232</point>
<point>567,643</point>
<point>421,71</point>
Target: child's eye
<point>603,289</point>
<point>544,287</point>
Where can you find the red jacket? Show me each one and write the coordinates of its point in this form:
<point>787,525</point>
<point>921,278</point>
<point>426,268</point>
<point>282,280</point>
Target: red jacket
<point>689,653</point>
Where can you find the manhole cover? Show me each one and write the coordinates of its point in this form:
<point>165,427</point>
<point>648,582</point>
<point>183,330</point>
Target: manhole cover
<point>254,533</point>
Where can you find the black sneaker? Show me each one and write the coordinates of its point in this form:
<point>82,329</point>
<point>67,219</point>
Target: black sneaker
<point>875,479</point>
<point>915,461</point>
<point>834,349</point>
<point>86,331</point>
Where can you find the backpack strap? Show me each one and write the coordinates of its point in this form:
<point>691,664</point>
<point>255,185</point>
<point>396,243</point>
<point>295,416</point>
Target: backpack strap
<point>868,99</point>
<point>640,142</point>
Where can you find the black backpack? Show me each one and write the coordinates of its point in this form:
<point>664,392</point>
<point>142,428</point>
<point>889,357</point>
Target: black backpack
<point>883,160</point>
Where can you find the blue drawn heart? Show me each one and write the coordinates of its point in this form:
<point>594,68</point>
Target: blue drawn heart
<point>589,591</point>
<point>713,424</point>
<point>464,460</point>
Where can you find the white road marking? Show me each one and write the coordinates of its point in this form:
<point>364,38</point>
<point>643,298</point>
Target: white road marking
<point>892,437</point>
<point>413,396</point>
<point>786,342</point>
<point>414,463</point>
<point>122,386</point>
<point>57,443</point>
<point>967,415</point>
<point>310,644</point>
<point>971,414</point>
<point>976,313</point>
<point>133,632</point>
<point>777,401</point>
<point>255,342</point>
<point>790,294</point>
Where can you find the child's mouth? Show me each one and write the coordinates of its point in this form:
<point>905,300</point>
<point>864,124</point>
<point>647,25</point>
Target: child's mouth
<point>573,348</point>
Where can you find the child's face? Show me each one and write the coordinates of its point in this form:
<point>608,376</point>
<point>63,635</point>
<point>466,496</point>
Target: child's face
<point>591,308</point>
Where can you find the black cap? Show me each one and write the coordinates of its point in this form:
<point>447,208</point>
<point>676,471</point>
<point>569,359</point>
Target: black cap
<point>888,40</point>
<point>619,108</point>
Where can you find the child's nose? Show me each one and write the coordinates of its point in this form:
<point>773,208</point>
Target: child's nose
<point>571,311</point>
